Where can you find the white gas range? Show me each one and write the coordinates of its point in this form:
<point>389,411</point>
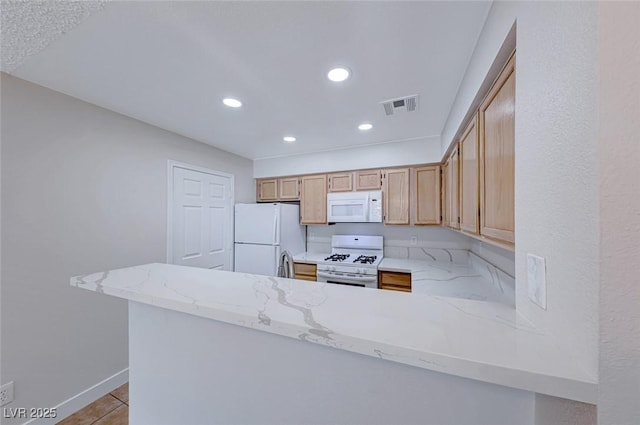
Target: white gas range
<point>353,261</point>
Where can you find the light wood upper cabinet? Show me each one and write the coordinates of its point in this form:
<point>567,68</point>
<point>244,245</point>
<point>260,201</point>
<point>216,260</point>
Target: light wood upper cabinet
<point>288,188</point>
<point>313,199</point>
<point>453,190</point>
<point>426,195</point>
<point>497,162</point>
<point>368,180</point>
<point>469,189</point>
<point>444,174</point>
<point>267,190</point>
<point>396,196</point>
<point>341,182</point>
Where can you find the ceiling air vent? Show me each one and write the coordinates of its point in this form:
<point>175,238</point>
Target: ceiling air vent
<point>400,105</point>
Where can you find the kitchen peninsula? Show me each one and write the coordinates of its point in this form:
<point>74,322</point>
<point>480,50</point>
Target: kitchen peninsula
<point>211,346</point>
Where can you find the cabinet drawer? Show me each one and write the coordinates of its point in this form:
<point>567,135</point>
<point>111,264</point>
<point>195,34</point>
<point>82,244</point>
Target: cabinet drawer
<point>305,277</point>
<point>395,280</point>
<point>302,269</point>
<point>395,288</point>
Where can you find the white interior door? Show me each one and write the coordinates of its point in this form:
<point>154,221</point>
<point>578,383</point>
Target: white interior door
<point>201,219</point>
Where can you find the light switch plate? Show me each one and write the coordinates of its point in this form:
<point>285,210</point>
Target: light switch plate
<point>537,280</point>
<point>414,240</point>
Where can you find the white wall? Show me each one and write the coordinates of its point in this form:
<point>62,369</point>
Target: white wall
<point>418,151</point>
<point>559,411</point>
<point>263,378</point>
<point>556,204</point>
<point>83,189</point>
<point>619,149</point>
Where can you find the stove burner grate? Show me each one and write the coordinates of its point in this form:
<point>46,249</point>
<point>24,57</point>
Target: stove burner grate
<point>365,259</point>
<point>337,257</point>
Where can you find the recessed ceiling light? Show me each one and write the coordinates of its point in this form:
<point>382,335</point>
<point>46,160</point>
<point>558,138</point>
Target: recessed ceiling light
<point>289,139</point>
<point>365,126</point>
<point>338,74</point>
<point>231,102</point>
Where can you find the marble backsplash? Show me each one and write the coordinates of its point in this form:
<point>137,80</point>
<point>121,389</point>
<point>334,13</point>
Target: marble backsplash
<point>502,282</point>
<point>430,244</point>
<point>399,241</point>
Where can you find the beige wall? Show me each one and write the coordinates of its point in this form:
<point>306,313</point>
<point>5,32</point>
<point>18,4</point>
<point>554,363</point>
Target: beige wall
<point>619,150</point>
<point>83,189</point>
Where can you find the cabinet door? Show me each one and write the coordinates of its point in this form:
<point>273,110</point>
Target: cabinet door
<point>469,190</point>
<point>453,190</point>
<point>426,196</point>
<point>341,182</point>
<point>267,190</point>
<point>394,281</point>
<point>313,199</point>
<point>305,271</point>
<point>497,147</point>
<point>444,174</point>
<point>369,180</point>
<point>396,196</point>
<point>289,189</point>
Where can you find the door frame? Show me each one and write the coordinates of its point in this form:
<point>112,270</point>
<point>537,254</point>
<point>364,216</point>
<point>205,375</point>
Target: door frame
<point>171,166</point>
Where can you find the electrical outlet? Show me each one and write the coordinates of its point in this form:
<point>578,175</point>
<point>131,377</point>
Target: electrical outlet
<point>414,240</point>
<point>6,393</point>
<point>537,280</point>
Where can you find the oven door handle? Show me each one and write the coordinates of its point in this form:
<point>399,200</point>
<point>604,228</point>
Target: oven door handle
<point>345,277</point>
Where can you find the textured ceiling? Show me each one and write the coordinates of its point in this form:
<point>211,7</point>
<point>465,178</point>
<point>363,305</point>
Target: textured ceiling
<point>170,63</point>
<point>28,27</point>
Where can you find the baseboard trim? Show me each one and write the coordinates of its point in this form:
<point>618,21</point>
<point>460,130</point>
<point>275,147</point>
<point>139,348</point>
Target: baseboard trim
<point>78,401</point>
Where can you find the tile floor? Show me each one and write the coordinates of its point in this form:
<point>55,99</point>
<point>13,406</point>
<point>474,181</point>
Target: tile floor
<point>111,409</point>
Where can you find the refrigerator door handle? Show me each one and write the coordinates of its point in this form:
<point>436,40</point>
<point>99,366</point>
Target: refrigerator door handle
<point>276,225</point>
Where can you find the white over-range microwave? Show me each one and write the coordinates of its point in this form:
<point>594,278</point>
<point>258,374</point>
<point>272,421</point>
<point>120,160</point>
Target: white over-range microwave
<point>354,207</point>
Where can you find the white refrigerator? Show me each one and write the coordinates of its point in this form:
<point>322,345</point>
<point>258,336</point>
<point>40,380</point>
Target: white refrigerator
<point>262,232</point>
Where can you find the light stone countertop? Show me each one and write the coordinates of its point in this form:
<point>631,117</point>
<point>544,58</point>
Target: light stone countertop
<point>473,278</point>
<point>485,341</point>
<point>448,279</point>
<point>310,257</point>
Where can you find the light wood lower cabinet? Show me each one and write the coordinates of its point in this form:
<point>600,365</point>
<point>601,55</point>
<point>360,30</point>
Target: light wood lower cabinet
<point>304,271</point>
<point>288,188</point>
<point>341,182</point>
<point>426,195</point>
<point>497,162</point>
<point>395,281</point>
<point>469,187</point>
<point>313,199</point>
<point>368,179</point>
<point>395,185</point>
<point>267,190</point>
